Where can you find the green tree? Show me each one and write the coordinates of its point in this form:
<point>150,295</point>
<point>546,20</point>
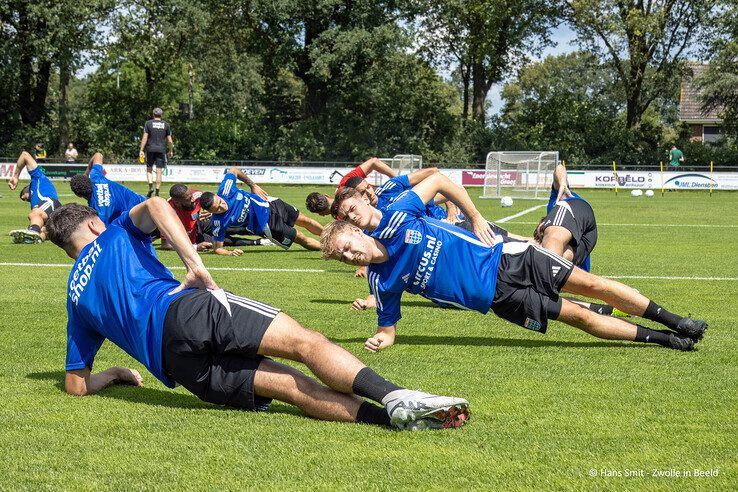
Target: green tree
<point>644,40</point>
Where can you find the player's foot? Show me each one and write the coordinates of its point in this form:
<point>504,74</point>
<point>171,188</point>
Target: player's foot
<point>416,410</point>
<point>148,195</point>
<point>266,242</point>
<point>692,328</point>
<point>684,344</point>
<point>26,236</point>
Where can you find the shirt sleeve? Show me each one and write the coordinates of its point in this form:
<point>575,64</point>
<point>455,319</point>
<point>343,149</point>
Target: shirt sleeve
<point>357,171</point>
<point>409,201</point>
<point>124,221</point>
<point>219,232</point>
<point>97,172</point>
<point>228,187</point>
<point>82,343</point>
<point>403,180</point>
<point>146,128</point>
<point>388,304</point>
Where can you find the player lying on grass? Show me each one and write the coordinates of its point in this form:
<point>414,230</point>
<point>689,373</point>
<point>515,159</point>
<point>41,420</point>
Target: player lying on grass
<point>108,198</point>
<point>519,281</point>
<point>320,204</point>
<point>213,342</point>
<point>41,193</point>
<point>232,207</point>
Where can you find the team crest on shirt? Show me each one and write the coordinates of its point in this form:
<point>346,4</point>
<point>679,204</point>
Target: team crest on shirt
<point>413,237</point>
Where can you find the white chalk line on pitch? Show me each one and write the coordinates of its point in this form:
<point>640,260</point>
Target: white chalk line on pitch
<point>647,225</point>
<point>515,216</point>
<point>315,270</point>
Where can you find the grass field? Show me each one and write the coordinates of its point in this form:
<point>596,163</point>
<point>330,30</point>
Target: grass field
<point>550,412</point>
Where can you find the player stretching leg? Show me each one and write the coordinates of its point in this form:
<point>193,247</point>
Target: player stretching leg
<point>212,342</point>
<point>519,281</point>
<point>232,207</point>
<point>108,198</point>
<point>41,193</point>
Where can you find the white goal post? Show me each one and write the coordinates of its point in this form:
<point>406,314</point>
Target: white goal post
<point>402,163</point>
<point>519,174</point>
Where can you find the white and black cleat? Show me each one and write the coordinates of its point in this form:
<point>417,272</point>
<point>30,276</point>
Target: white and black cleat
<point>26,236</point>
<point>416,410</point>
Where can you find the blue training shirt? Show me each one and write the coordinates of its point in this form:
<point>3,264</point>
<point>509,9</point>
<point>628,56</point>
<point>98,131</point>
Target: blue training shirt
<point>244,209</point>
<point>390,191</point>
<point>437,260</point>
<point>109,198</point>
<point>119,290</point>
<point>42,189</point>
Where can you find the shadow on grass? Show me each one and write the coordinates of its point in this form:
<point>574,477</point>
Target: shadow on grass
<point>494,342</point>
<point>348,302</point>
<point>154,396</point>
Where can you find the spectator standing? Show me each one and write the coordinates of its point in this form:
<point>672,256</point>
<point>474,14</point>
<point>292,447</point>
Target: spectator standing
<point>39,153</point>
<point>157,138</point>
<point>70,155</point>
<point>676,157</point>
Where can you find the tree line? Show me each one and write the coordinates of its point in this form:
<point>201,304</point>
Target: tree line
<point>344,79</point>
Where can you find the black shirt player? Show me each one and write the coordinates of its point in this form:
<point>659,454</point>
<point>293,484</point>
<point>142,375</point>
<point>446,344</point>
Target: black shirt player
<point>157,136</point>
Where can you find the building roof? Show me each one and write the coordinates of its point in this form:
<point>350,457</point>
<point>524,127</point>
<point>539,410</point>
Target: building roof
<point>690,107</point>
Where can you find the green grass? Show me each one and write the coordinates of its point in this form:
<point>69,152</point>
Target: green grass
<point>546,408</point>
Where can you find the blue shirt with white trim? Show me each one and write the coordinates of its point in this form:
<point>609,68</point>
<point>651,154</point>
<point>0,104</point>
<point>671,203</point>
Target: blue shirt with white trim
<point>118,290</point>
<point>42,189</point>
<point>109,198</point>
<point>434,259</point>
<point>244,209</point>
<point>393,189</point>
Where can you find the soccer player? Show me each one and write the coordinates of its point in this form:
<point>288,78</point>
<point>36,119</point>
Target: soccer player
<point>108,198</point>
<point>519,281</point>
<point>41,193</point>
<point>213,342</point>
<point>156,146</point>
<point>320,204</point>
<point>232,207</point>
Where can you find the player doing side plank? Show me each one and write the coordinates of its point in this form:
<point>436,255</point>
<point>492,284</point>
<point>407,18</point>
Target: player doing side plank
<point>212,342</point>
<point>519,281</point>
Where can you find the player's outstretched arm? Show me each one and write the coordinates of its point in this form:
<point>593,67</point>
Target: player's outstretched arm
<point>385,337</point>
<point>561,182</point>
<point>81,382</point>
<point>374,164</point>
<point>97,158</point>
<point>255,188</point>
<point>218,249</point>
<point>24,160</point>
<point>155,213</point>
<point>438,183</point>
<point>421,175</point>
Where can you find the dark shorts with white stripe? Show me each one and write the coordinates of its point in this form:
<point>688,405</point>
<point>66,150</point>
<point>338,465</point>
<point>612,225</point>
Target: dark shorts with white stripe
<point>210,343</point>
<point>49,206</point>
<point>529,280</point>
<point>577,217</point>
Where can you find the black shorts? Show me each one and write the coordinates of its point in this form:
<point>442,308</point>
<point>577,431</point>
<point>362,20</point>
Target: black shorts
<point>467,225</point>
<point>49,206</point>
<point>529,280</point>
<point>205,233</point>
<point>577,217</point>
<point>210,345</point>
<point>158,159</point>
<point>280,228</point>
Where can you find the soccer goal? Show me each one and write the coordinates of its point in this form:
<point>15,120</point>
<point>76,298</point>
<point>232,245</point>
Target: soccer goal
<point>402,163</point>
<point>526,174</point>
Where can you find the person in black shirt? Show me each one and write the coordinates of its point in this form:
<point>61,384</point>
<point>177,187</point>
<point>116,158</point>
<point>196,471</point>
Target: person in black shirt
<point>157,137</point>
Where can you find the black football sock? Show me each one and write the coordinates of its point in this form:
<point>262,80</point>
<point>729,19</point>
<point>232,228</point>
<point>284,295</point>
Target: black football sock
<point>370,413</point>
<point>369,384</point>
<point>647,335</point>
<point>600,308</point>
<point>157,192</point>
<point>656,313</point>
<point>34,228</point>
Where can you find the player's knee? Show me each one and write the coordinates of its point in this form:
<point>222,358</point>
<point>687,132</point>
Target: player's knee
<point>309,340</point>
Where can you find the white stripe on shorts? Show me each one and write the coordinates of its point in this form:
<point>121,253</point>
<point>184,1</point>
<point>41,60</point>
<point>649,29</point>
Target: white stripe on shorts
<point>253,305</point>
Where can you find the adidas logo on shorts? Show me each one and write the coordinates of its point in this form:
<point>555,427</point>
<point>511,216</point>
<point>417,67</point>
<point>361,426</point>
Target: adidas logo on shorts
<point>555,270</point>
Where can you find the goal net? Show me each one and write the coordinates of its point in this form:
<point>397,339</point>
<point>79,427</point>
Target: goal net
<point>519,174</point>
<point>402,163</point>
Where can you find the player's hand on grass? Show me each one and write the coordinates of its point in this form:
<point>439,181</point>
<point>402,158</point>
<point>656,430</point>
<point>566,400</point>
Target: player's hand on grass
<point>483,230</point>
<point>204,245</point>
<point>257,190</point>
<point>380,340</point>
<point>12,182</point>
<point>128,376</point>
<point>360,272</point>
<point>236,252</point>
<point>196,278</point>
<point>363,304</point>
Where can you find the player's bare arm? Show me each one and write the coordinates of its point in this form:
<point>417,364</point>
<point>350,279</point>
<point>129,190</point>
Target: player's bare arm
<point>255,188</point>
<point>218,249</point>
<point>385,337</point>
<point>374,164</point>
<point>561,183</point>
<point>438,183</point>
<point>81,382</point>
<point>170,146</point>
<point>25,160</point>
<point>97,158</point>
<point>144,139</point>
